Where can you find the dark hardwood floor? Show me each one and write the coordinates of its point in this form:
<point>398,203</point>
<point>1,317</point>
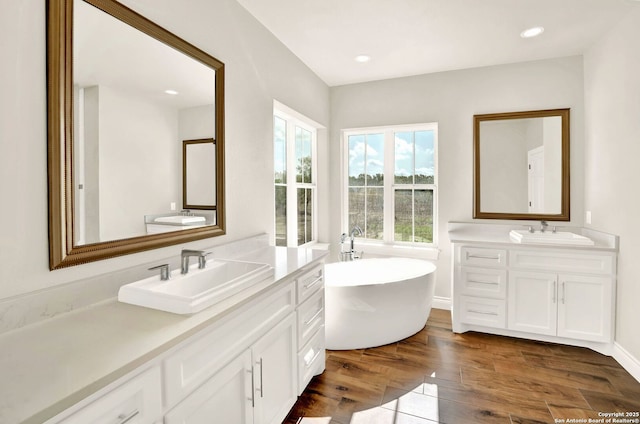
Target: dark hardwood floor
<point>439,376</point>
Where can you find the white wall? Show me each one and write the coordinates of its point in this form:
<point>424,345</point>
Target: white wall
<point>258,69</point>
<point>140,162</point>
<point>451,99</point>
<point>552,130</point>
<point>612,151</point>
<point>504,172</point>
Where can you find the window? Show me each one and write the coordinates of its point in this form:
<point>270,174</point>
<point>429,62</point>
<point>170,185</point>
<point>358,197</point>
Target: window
<point>390,189</point>
<point>294,140</point>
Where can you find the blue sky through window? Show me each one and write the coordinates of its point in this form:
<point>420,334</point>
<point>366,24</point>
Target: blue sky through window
<point>371,148</point>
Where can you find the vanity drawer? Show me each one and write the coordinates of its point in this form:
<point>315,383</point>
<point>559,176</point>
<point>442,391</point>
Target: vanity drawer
<point>481,256</point>
<point>311,359</point>
<point>561,261</point>
<point>309,282</point>
<point>138,400</point>
<point>485,282</point>
<point>483,311</point>
<point>195,362</point>
<point>310,316</point>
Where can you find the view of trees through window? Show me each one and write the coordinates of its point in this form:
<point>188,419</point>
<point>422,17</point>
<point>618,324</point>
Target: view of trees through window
<point>407,184</point>
<point>293,150</point>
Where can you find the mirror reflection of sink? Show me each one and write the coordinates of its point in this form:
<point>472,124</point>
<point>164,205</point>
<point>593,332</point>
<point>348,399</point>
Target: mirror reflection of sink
<point>180,219</point>
<point>197,290</point>
<point>549,237</point>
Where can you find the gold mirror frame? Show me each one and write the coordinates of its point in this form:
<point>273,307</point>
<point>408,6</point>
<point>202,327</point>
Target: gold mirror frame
<point>564,214</point>
<point>62,251</point>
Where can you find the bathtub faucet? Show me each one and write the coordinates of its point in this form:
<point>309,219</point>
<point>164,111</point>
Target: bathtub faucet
<point>350,254</point>
<point>355,230</point>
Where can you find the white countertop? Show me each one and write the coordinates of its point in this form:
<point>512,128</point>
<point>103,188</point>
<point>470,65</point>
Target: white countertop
<point>49,366</point>
<point>463,232</point>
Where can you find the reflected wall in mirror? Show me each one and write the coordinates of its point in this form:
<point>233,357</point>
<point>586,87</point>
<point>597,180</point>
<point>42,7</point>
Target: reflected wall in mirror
<point>198,174</point>
<point>122,95</point>
<point>521,165</point>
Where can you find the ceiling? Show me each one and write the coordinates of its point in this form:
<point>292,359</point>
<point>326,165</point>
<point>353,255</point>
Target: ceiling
<point>110,53</point>
<point>412,37</point>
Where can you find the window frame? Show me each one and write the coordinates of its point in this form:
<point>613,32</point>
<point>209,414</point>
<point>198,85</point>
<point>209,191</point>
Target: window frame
<point>389,185</point>
<point>294,119</point>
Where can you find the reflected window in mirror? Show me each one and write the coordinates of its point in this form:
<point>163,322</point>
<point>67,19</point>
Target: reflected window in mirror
<point>521,162</point>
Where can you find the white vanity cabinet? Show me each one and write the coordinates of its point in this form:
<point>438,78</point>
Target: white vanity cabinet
<point>549,293</point>
<point>275,373</point>
<point>247,366</point>
<point>310,314</point>
<point>576,305</point>
<point>258,386</point>
<point>227,396</point>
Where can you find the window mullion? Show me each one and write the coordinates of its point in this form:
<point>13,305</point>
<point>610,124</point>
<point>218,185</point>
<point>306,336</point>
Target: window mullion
<point>389,171</point>
<point>292,193</point>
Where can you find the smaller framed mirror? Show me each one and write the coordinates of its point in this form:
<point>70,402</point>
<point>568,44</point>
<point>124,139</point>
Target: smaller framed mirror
<point>199,174</point>
<point>521,165</point>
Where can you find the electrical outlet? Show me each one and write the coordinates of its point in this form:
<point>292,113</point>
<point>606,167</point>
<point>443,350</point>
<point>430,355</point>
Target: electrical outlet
<point>173,206</point>
<point>587,217</point>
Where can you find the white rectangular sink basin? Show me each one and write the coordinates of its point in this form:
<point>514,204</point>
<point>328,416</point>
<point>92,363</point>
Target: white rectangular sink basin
<point>549,237</point>
<point>180,219</point>
<point>197,290</point>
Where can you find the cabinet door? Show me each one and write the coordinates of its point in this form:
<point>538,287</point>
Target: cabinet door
<point>585,308</point>
<point>224,398</point>
<point>275,372</point>
<point>532,302</point>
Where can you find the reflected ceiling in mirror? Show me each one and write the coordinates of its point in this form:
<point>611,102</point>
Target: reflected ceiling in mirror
<point>123,93</point>
<point>521,165</point>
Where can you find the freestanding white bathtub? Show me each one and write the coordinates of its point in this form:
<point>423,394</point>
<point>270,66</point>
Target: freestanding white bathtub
<point>373,302</point>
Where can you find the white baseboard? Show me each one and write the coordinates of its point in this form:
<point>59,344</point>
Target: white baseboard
<point>627,360</point>
<point>441,303</point>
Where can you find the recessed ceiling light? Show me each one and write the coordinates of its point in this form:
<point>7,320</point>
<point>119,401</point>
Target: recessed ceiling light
<point>172,92</point>
<point>362,58</point>
<point>532,32</point>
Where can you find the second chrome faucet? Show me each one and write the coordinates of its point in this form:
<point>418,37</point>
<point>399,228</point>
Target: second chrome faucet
<point>187,253</point>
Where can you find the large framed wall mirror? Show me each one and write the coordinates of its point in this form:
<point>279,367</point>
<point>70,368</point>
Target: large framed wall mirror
<point>123,94</point>
<point>521,165</point>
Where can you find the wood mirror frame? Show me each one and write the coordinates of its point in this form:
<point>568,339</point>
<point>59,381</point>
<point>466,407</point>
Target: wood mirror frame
<point>564,213</point>
<point>62,250</point>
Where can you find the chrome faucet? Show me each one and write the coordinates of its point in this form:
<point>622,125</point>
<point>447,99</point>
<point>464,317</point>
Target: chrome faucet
<point>356,230</point>
<point>186,254</point>
<point>543,226</point>
<point>165,272</point>
<point>351,254</point>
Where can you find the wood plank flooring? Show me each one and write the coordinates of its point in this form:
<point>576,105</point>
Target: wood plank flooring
<point>437,376</point>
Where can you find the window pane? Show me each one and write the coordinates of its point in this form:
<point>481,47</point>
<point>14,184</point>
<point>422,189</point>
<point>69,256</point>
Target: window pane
<point>423,204</point>
<point>279,150</point>
<point>375,159</point>
<point>281,215</point>
<point>356,207</point>
<point>403,151</point>
<point>375,213</point>
<point>356,160</point>
<point>403,217</point>
<point>305,208</point>
<point>303,155</point>
<point>425,165</point>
